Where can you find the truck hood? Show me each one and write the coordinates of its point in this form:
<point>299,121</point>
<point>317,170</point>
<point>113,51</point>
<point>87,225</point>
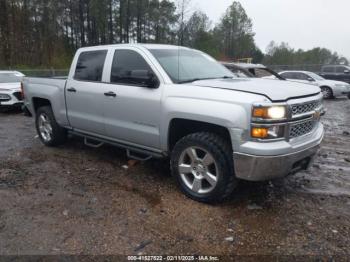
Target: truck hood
<point>10,86</point>
<point>275,90</point>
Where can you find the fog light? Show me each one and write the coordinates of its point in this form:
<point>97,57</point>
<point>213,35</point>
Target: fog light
<point>272,132</point>
<point>260,132</point>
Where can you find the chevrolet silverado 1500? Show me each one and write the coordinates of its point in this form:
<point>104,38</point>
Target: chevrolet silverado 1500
<point>167,101</point>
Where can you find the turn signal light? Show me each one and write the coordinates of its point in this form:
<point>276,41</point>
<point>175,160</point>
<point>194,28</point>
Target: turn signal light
<point>260,132</point>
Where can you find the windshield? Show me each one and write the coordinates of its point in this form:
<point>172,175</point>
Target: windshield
<point>10,78</point>
<point>189,65</point>
<point>315,76</point>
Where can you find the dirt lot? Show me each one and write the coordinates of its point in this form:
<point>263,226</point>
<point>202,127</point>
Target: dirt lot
<point>79,200</point>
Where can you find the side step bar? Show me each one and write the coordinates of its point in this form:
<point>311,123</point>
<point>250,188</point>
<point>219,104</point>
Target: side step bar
<point>132,152</point>
<point>86,142</point>
<point>141,157</point>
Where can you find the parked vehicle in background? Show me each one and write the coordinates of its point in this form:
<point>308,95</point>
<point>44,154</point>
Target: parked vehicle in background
<point>336,72</point>
<point>253,70</point>
<point>10,89</point>
<point>330,88</point>
<point>167,101</point>
<point>237,70</point>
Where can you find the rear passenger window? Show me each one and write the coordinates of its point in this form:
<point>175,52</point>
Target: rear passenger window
<point>129,68</point>
<point>328,69</point>
<point>288,75</point>
<point>90,66</point>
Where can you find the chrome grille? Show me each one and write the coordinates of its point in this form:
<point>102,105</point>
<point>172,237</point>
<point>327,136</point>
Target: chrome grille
<point>304,108</point>
<point>302,129</point>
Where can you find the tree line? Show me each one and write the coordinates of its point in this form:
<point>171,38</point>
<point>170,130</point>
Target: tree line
<point>283,54</point>
<point>46,33</point>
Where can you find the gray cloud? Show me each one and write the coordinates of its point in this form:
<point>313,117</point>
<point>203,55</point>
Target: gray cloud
<point>303,24</point>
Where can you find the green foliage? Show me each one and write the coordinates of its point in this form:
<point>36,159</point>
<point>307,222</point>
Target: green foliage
<point>235,33</point>
<point>282,54</point>
<point>46,33</point>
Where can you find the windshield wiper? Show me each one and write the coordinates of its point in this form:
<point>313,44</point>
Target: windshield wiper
<point>198,79</point>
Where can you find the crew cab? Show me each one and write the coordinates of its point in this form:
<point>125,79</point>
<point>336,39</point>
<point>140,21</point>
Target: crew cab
<point>10,89</point>
<point>167,101</point>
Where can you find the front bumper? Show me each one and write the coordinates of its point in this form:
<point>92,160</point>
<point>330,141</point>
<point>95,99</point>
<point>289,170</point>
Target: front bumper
<point>14,99</point>
<point>341,91</point>
<point>265,167</point>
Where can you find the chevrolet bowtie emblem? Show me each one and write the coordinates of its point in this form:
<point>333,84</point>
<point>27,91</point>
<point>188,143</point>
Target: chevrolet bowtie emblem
<point>317,115</point>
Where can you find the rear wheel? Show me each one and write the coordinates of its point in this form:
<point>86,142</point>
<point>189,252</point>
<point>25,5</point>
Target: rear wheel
<point>50,133</point>
<point>202,164</point>
<point>327,92</point>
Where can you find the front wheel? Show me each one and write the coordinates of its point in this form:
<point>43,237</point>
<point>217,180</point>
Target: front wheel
<point>327,92</point>
<point>50,133</point>
<point>202,164</point>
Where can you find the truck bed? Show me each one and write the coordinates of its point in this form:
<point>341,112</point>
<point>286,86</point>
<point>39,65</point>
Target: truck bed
<point>51,89</point>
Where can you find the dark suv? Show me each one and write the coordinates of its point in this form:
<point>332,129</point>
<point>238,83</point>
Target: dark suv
<point>336,72</point>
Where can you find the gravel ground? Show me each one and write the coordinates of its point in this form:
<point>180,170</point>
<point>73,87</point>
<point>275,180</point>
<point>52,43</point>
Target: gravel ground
<point>78,200</point>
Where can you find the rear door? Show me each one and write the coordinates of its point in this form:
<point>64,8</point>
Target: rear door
<point>85,93</point>
<point>328,72</point>
<point>134,115</point>
<point>343,73</point>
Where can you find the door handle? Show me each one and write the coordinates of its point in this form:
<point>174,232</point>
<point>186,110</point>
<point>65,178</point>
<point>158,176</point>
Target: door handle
<point>111,94</point>
<point>72,90</point>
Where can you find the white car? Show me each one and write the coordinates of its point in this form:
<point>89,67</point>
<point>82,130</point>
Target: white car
<point>10,89</point>
<point>330,88</point>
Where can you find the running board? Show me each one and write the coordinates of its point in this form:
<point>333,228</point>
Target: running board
<point>86,142</point>
<point>132,151</point>
<point>134,156</point>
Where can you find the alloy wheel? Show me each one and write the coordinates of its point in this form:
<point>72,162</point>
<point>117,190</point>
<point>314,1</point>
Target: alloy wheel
<point>198,170</point>
<point>45,127</point>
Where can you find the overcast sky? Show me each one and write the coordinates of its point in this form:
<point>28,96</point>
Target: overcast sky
<point>302,23</point>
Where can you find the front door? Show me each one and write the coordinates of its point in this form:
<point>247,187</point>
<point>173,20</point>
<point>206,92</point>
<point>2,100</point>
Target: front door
<point>134,115</point>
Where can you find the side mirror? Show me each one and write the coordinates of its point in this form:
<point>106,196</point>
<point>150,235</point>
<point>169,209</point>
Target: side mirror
<point>145,78</point>
<point>346,71</point>
<point>310,79</point>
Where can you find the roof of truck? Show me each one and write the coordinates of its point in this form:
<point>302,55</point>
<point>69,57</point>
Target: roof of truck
<point>147,46</point>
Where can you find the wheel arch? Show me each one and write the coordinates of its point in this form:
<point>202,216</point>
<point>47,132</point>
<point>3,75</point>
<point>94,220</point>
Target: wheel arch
<point>180,127</point>
<point>40,102</point>
<point>329,87</point>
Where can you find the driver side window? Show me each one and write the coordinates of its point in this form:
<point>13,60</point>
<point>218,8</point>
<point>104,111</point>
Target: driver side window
<point>303,76</point>
<point>130,68</point>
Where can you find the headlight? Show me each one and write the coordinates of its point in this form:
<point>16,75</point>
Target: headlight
<point>4,97</point>
<point>270,112</point>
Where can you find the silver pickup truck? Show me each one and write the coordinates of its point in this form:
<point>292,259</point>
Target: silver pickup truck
<point>166,101</point>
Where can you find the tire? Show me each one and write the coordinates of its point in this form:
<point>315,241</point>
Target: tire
<point>216,181</point>
<point>327,92</point>
<point>50,133</point>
